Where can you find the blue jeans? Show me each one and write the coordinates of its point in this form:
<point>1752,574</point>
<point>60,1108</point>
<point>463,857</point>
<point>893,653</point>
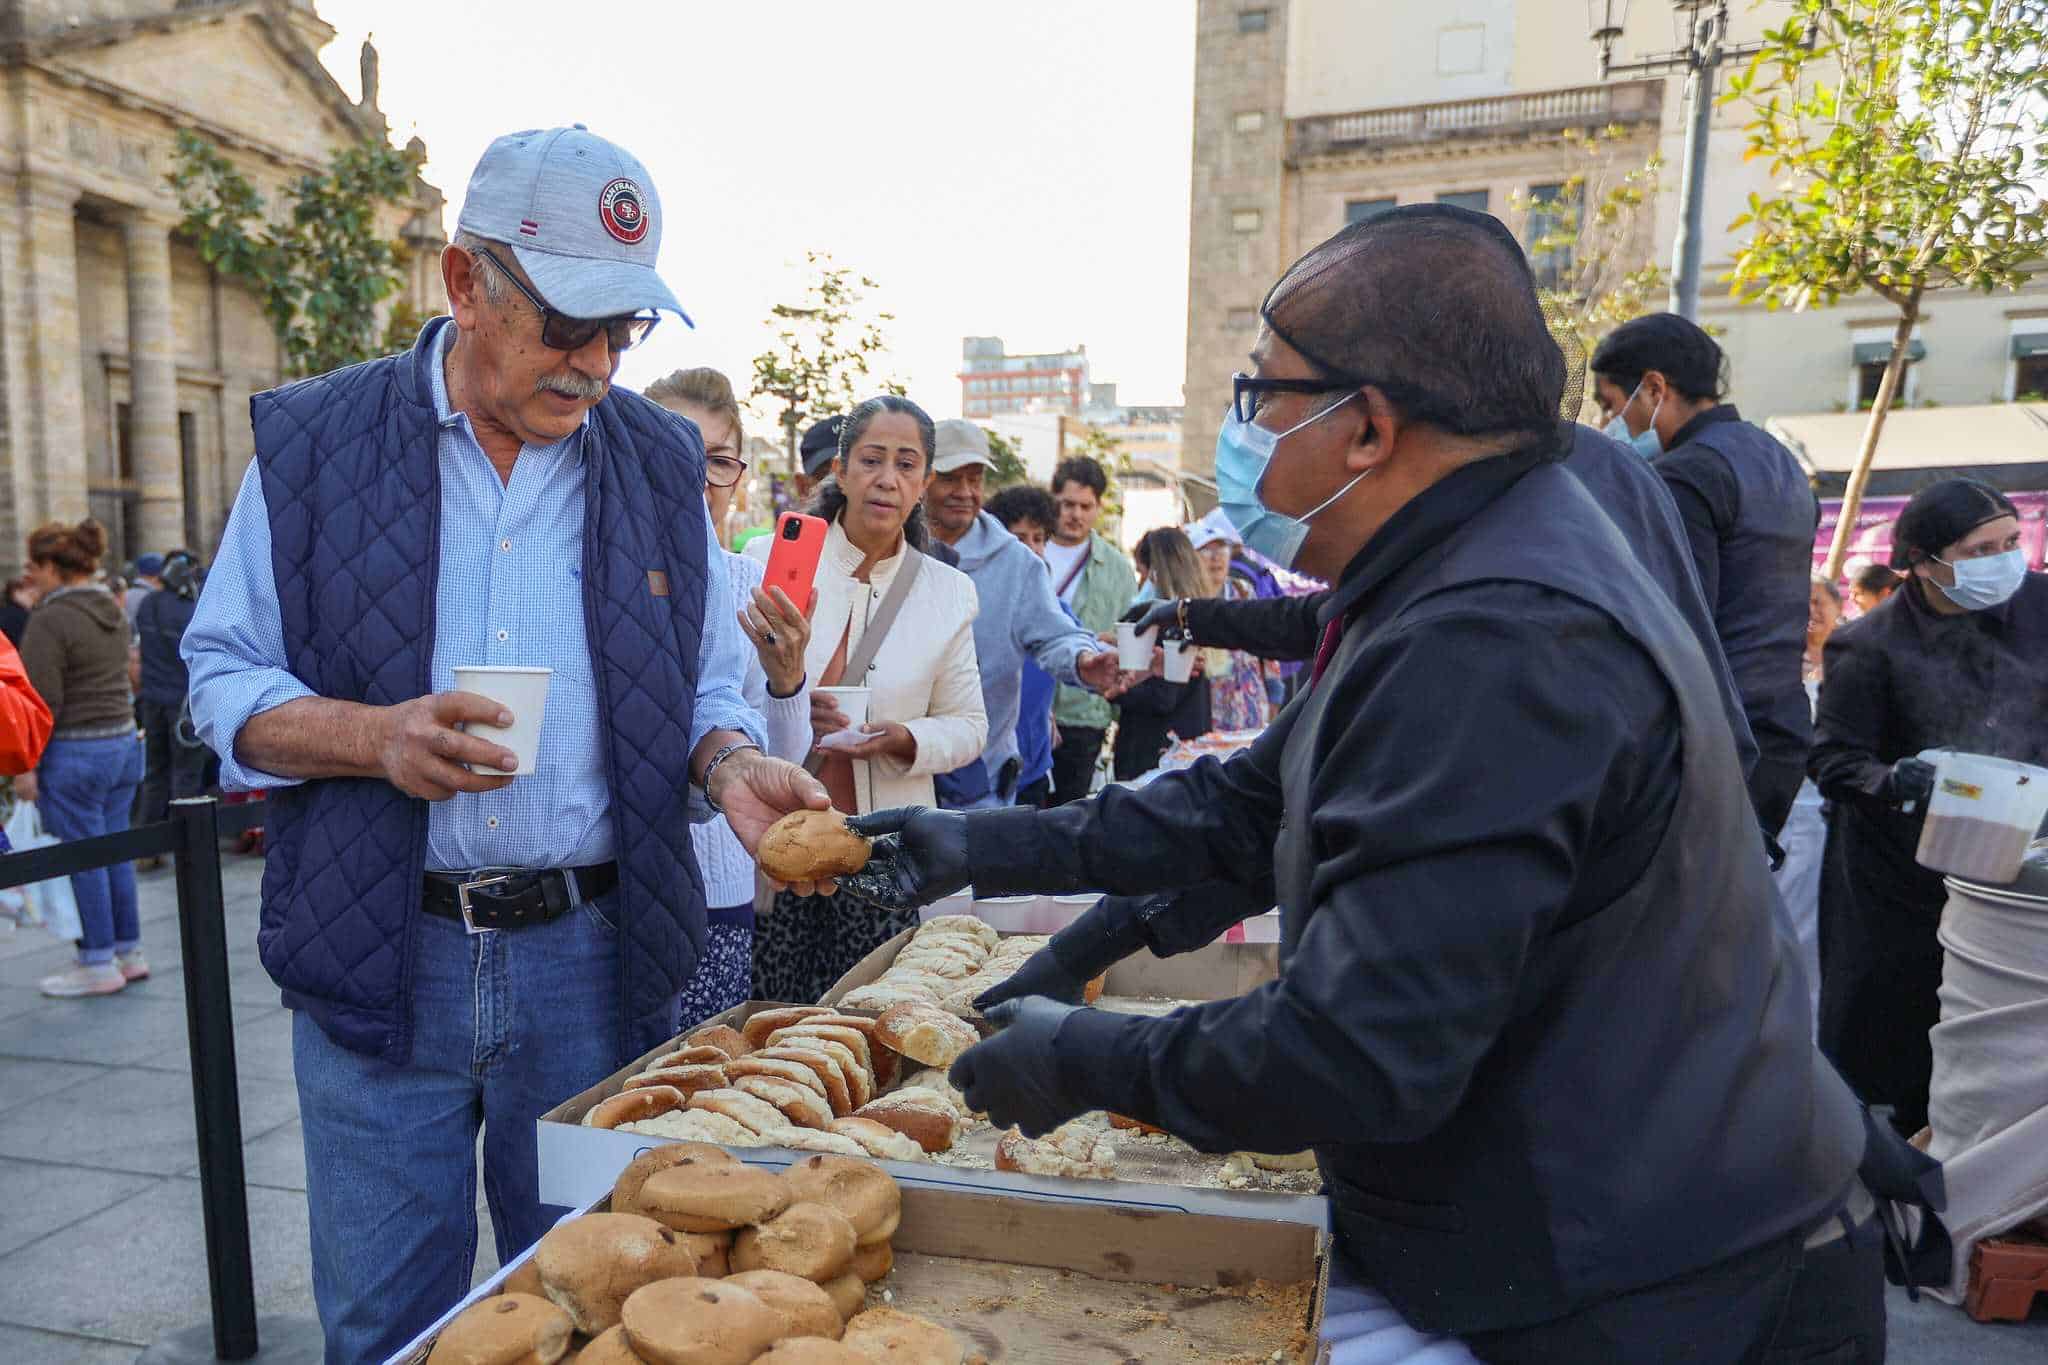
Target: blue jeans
<point>87,787</point>
<point>506,1025</point>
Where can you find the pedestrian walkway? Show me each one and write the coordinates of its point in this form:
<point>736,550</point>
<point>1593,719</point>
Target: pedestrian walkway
<point>101,1250</point>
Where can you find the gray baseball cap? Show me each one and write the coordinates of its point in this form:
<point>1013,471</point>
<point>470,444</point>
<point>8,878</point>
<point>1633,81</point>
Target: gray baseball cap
<point>581,216</point>
<point>957,443</point>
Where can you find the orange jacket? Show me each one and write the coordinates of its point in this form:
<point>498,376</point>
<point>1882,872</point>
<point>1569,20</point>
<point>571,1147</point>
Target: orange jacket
<point>24,717</point>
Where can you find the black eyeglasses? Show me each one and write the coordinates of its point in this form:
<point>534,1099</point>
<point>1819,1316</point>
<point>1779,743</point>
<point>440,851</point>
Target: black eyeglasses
<point>1247,393</point>
<point>723,471</point>
<point>561,332</point>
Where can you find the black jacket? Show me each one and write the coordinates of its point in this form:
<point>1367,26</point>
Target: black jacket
<point>160,627</point>
<point>1150,714</point>
<point>1533,1014</point>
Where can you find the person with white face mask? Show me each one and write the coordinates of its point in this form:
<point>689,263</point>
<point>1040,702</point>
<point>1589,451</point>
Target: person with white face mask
<point>1749,514</point>
<point>1957,658</point>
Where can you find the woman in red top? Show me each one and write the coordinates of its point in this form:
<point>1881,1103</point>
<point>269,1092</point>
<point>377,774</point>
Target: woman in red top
<point>24,720</point>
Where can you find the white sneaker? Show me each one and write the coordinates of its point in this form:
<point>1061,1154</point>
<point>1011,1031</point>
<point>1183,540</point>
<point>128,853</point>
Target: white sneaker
<point>134,966</point>
<point>103,979</point>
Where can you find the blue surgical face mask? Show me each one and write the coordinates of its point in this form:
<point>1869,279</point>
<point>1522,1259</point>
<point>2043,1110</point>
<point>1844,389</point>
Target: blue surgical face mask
<point>1987,581</point>
<point>1243,450</point>
<point>1649,445</point>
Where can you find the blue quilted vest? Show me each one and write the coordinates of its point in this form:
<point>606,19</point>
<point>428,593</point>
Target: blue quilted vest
<point>351,478</point>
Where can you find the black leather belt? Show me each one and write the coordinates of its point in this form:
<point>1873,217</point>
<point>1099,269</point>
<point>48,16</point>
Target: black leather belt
<point>513,897</point>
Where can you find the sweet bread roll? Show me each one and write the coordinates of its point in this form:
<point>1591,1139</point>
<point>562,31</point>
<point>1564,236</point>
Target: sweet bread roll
<point>935,962</point>
<point>849,1038</point>
<point>878,1139</point>
<point>926,1033</point>
<point>750,1111</point>
<point>524,1279</point>
<point>874,1262</point>
<point>687,1079</point>
<point>713,1251</point>
<point>589,1265</point>
<point>881,1060</point>
<point>938,1083</point>
<point>849,1292</point>
<point>863,1192</point>
<point>758,1026</point>
<point>921,1115</point>
<point>699,1055</point>
<point>831,1076</point>
<point>884,1336</point>
<point>610,1347</point>
<point>628,1105</point>
<point>505,1329</point>
<point>1071,1150</point>
<point>980,930</point>
<point>1131,1125</point>
<point>713,1198</point>
<point>860,1079</point>
<point>879,995</point>
<point>726,1039</point>
<point>809,846</point>
<point>1283,1161</point>
<point>626,1189</point>
<point>806,1309</point>
<point>699,1322</point>
<point>812,1240</point>
<point>819,1140</point>
<point>803,1107</point>
<point>781,1069</point>
<point>810,1351</point>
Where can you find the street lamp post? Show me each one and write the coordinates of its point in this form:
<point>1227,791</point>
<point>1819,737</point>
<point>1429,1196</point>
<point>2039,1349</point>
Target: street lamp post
<point>1706,26</point>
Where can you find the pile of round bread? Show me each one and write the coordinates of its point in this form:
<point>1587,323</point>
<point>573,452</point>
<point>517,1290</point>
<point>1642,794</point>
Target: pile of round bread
<point>808,1078</point>
<point>704,1261</point>
<point>948,962</point>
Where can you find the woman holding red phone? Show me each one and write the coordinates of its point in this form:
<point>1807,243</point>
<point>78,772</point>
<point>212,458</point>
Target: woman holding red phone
<point>775,686</point>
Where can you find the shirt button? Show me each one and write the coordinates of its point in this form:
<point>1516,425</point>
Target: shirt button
<point>492,821</point>
<point>504,635</point>
<point>504,544</point>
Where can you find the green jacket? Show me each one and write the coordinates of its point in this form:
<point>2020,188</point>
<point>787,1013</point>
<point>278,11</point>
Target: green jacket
<point>1106,588</point>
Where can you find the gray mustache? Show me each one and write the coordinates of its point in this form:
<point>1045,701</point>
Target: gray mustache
<point>575,386</point>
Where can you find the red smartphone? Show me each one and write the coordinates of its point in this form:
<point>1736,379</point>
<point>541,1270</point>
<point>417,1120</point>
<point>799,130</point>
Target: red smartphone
<point>793,561</point>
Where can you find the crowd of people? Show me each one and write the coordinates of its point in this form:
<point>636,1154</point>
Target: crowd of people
<point>1585,809</point>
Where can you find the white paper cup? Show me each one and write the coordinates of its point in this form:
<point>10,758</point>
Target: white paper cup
<point>853,704</point>
<point>523,692</point>
<point>1134,647</point>
<point>1180,661</point>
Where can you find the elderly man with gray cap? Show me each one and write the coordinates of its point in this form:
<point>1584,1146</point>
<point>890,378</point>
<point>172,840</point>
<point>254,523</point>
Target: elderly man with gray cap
<point>466,941</point>
<point>1020,615</point>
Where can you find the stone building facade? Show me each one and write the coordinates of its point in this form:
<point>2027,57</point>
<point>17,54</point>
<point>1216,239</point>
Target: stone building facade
<point>126,362</point>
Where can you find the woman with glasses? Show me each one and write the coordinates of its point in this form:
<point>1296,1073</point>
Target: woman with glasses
<point>775,686</point>
<point>1959,659</point>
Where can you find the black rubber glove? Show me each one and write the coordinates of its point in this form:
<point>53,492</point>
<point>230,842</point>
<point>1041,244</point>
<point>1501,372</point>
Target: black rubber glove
<point>1912,779</point>
<point>1164,614</point>
<point>1042,974</point>
<point>1014,1077</point>
<point>920,855</point>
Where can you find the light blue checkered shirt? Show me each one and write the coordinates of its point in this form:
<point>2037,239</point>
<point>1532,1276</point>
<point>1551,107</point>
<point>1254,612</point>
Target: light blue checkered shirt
<point>504,549</point>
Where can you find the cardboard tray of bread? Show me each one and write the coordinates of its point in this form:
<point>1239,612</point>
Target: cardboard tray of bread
<point>802,1258</point>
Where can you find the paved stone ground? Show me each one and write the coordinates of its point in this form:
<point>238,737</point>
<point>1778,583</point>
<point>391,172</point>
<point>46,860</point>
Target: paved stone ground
<point>101,1250</point>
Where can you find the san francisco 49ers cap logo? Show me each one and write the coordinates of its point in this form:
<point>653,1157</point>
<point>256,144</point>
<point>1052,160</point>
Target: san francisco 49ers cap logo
<point>622,211</point>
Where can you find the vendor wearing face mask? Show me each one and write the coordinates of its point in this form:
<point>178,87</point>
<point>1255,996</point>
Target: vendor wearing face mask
<point>1750,516</point>
<point>1958,659</point>
<point>1532,1015</point>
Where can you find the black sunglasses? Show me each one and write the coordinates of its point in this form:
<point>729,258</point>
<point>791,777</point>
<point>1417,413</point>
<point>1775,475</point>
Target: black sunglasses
<point>1246,391</point>
<point>561,332</point>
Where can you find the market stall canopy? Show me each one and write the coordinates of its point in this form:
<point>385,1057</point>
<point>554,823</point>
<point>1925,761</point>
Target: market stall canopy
<point>2004,444</point>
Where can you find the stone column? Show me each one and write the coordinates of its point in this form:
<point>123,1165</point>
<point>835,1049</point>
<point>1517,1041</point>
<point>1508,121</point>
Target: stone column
<point>153,385</point>
<point>57,393</point>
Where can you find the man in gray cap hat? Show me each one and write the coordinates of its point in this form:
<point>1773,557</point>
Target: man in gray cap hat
<point>464,940</point>
<point>1020,616</point>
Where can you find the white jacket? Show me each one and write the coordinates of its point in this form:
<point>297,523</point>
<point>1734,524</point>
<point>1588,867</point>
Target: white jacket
<point>924,677</point>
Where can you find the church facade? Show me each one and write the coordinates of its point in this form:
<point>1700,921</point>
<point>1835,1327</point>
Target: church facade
<point>126,362</point>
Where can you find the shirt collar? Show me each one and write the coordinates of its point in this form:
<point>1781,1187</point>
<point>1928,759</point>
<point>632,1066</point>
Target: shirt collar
<point>1720,412</point>
<point>448,418</point>
<point>1422,523</point>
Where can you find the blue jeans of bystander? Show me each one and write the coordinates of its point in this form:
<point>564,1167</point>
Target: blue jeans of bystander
<point>87,787</point>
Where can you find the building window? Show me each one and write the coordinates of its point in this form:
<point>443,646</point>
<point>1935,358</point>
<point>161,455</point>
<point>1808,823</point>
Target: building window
<point>1872,352</point>
<point>1246,220</point>
<point>1553,213</point>
<point>2030,378</point>
<point>1254,20</point>
<point>1475,200</point>
<point>1361,210</point>
<point>1249,121</point>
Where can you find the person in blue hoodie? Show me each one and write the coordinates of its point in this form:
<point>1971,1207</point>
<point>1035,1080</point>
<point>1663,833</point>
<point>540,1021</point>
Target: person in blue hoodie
<point>1029,513</point>
<point>1020,616</point>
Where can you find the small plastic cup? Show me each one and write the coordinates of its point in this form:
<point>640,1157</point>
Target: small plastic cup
<point>1180,660</point>
<point>1134,647</point>
<point>523,692</point>
<point>853,704</point>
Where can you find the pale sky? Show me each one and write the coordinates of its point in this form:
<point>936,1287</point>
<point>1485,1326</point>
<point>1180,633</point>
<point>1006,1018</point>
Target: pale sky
<point>998,169</point>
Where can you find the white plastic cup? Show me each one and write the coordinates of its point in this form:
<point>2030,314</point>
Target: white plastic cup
<point>1180,661</point>
<point>1134,647</point>
<point>853,704</point>
<point>1984,813</point>
<point>523,692</point>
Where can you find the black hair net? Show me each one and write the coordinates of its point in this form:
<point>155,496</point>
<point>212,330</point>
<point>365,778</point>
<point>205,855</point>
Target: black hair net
<point>1942,514</point>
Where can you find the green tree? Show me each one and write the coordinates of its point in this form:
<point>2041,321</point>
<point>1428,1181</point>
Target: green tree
<point>322,266</point>
<point>1906,139</point>
<point>1006,466</point>
<point>825,350</point>
<point>1592,244</point>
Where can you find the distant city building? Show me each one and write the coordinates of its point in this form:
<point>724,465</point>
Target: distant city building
<point>993,382</point>
<point>1147,433</point>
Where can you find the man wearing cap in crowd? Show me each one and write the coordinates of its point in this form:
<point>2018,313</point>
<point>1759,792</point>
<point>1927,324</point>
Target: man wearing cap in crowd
<point>149,570</point>
<point>1020,617</point>
<point>462,948</point>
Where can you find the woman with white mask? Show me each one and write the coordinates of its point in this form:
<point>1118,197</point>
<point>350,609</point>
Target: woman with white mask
<point>1956,659</point>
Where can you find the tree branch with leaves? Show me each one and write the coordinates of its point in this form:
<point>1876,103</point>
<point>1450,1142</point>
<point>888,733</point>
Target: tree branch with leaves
<point>825,352</point>
<point>1906,139</point>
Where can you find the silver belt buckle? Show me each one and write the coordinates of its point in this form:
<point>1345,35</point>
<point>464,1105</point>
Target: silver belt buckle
<point>462,890</point>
